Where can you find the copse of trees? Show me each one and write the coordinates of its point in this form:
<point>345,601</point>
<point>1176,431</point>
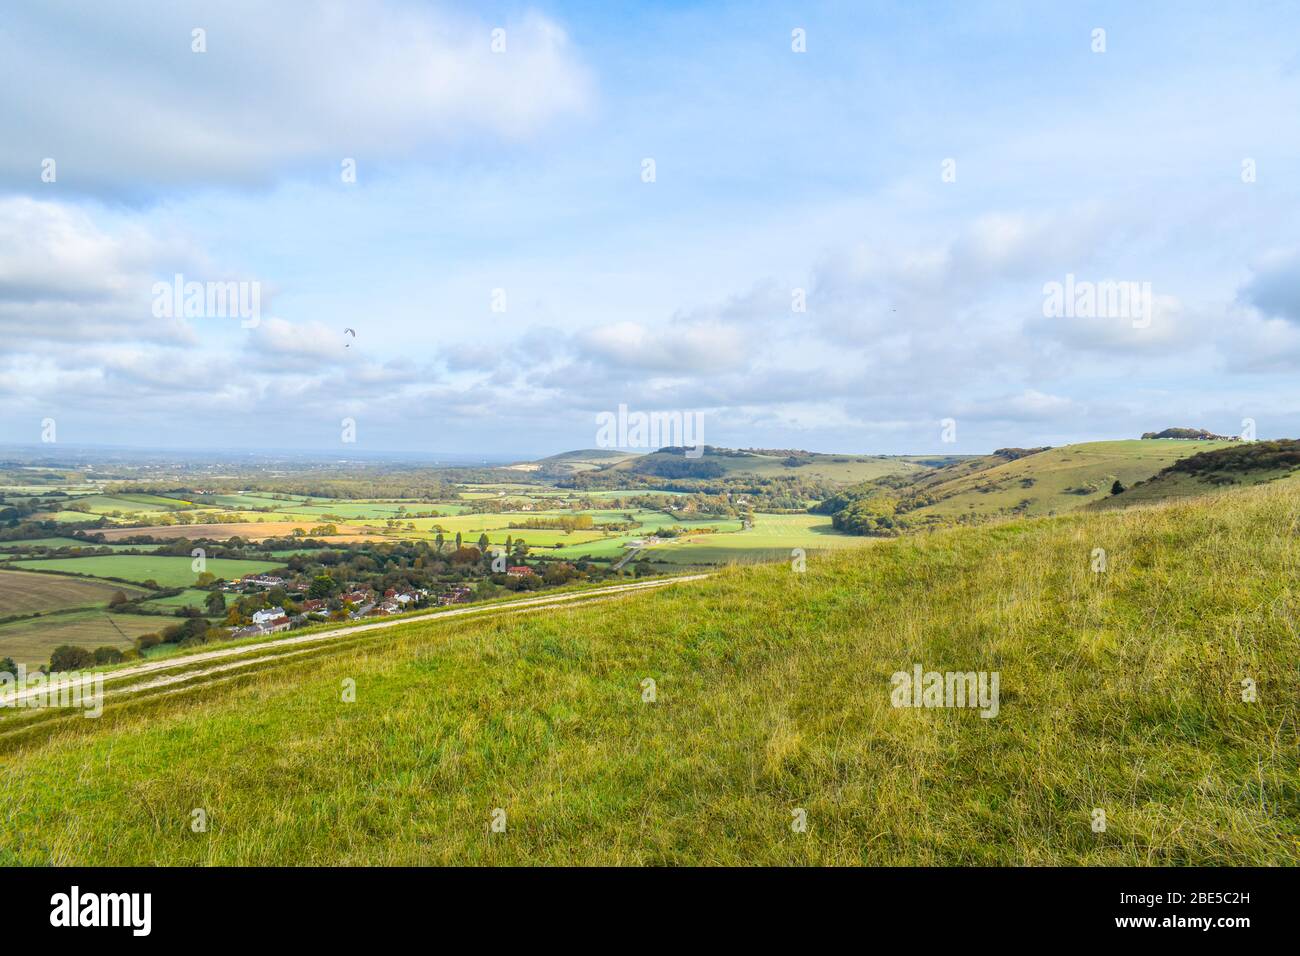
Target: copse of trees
<point>1188,434</point>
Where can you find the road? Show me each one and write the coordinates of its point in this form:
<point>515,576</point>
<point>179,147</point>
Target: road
<point>187,660</point>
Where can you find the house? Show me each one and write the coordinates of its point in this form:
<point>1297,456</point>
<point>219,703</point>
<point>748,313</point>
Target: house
<point>519,571</point>
<point>456,594</point>
<point>313,605</point>
<point>270,626</point>
<point>356,597</point>
<point>262,580</point>
<point>270,614</point>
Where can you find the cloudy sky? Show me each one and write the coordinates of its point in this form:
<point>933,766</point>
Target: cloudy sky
<point>916,176</point>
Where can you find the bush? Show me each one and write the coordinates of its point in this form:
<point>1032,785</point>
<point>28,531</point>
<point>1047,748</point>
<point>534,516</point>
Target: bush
<point>108,655</point>
<point>69,658</point>
<point>146,641</point>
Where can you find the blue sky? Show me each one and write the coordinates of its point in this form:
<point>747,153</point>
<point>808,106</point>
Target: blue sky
<point>521,171</point>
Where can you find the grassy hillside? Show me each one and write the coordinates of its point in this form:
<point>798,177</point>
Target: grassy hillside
<point>1208,472</point>
<point>1120,691</point>
<point>1020,482</point>
<point>1059,479</point>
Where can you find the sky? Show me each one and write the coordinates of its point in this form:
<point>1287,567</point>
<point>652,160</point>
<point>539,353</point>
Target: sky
<point>821,226</point>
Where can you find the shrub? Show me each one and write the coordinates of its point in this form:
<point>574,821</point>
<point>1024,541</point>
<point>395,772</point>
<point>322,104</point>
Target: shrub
<point>69,658</point>
<point>108,655</point>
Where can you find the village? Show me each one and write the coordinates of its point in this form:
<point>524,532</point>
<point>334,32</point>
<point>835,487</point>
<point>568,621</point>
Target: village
<point>286,604</point>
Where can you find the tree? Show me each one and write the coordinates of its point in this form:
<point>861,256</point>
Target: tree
<point>7,666</point>
<point>118,599</point>
<point>69,658</point>
<point>458,541</point>
<point>322,586</point>
<point>215,603</point>
<point>483,542</point>
<point>205,580</point>
<point>438,541</point>
<point>1117,488</point>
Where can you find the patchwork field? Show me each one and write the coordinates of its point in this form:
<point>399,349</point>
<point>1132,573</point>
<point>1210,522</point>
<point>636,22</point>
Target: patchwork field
<point>26,593</point>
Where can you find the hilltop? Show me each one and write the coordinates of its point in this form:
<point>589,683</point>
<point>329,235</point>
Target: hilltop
<point>1121,691</point>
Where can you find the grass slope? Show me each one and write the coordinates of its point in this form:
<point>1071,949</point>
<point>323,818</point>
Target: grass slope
<point>1119,690</point>
<point>1241,463</point>
<point>1056,480</point>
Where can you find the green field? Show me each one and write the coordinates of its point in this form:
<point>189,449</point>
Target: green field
<point>11,546</point>
<point>169,572</point>
<point>772,538</point>
<point>1119,690</point>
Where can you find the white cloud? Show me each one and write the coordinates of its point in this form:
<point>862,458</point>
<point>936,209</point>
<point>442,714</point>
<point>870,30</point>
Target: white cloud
<point>115,95</point>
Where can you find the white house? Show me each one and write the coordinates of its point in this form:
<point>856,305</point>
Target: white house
<point>270,614</point>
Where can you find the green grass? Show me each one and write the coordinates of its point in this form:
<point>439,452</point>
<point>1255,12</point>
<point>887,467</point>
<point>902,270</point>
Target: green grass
<point>1119,690</point>
<point>169,572</point>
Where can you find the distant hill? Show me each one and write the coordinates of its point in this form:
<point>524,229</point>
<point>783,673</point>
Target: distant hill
<point>569,462</point>
<point>715,462</point>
